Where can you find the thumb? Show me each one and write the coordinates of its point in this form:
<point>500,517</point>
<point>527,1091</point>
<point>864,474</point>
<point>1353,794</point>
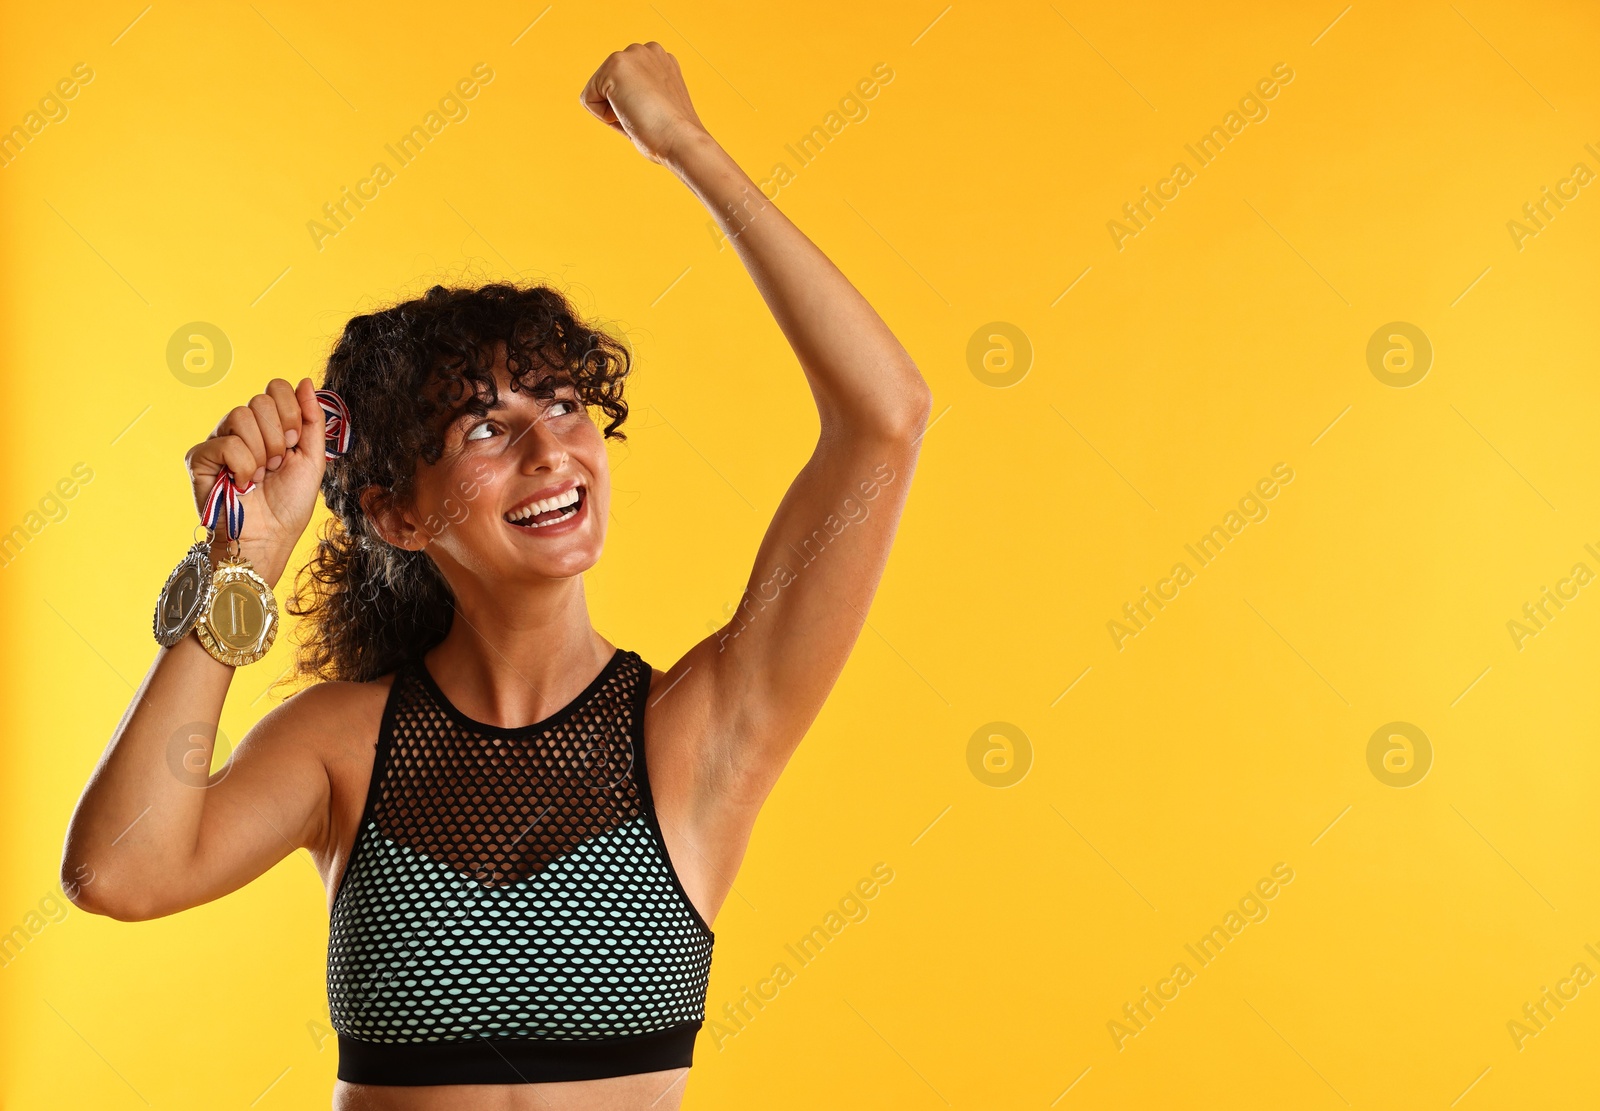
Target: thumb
<point>315,432</point>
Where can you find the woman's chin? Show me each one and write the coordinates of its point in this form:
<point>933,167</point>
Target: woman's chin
<point>559,565</point>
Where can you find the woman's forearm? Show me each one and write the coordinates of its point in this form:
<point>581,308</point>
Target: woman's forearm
<point>861,376</point>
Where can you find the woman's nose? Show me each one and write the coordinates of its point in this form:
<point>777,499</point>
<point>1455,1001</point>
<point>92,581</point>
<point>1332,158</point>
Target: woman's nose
<point>542,449</point>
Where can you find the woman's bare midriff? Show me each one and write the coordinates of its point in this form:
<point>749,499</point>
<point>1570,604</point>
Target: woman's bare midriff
<point>646,1091</point>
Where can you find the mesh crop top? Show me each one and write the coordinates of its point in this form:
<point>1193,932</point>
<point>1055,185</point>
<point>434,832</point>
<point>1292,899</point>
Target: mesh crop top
<point>509,913</point>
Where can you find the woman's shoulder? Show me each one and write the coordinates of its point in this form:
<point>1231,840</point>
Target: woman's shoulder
<point>329,710</point>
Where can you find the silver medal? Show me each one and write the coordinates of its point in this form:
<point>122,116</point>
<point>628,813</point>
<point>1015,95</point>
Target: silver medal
<point>185,596</point>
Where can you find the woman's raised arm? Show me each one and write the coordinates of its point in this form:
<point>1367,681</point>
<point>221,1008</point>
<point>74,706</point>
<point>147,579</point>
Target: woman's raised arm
<point>747,694</point>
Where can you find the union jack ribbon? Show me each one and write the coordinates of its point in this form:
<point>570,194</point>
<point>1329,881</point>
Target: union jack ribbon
<point>223,501</point>
<point>338,423</point>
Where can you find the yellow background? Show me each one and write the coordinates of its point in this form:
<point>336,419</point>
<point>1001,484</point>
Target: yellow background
<point>1229,336</point>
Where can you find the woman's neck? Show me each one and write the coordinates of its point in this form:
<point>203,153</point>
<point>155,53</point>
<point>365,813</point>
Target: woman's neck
<point>511,661</point>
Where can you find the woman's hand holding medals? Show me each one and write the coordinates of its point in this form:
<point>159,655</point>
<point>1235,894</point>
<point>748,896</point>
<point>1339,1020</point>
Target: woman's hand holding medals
<point>275,442</point>
<point>255,484</point>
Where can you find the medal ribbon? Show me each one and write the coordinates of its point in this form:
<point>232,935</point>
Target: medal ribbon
<point>223,501</point>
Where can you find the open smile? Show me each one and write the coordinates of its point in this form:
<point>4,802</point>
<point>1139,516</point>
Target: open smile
<point>547,512</point>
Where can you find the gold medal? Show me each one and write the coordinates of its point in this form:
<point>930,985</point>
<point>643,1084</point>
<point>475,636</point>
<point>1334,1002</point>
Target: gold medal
<point>241,618</point>
<point>184,597</point>
<point>238,615</point>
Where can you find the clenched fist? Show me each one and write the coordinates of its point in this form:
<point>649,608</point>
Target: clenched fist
<point>640,92</point>
<point>275,441</point>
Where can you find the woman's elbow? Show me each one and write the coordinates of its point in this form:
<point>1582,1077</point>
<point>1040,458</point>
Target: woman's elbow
<point>920,405</point>
<point>905,417</point>
<point>908,420</point>
<point>92,892</point>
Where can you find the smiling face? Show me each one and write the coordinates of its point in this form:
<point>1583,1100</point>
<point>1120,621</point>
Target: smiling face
<point>520,494</point>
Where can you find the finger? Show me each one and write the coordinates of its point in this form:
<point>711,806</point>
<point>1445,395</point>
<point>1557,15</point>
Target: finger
<point>266,411</point>
<point>596,92</point>
<point>283,397</point>
<point>208,459</point>
<point>241,422</point>
<point>201,461</point>
<point>599,106</point>
<point>240,460</point>
<point>313,421</point>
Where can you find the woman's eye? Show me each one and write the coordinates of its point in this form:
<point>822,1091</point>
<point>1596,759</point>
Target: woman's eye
<point>570,407</point>
<point>480,431</point>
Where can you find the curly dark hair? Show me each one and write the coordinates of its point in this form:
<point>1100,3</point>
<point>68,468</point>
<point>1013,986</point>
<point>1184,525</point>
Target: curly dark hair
<point>407,373</point>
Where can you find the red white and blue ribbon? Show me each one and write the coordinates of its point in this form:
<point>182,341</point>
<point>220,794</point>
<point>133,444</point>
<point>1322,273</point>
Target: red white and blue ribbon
<point>223,501</point>
<point>338,423</point>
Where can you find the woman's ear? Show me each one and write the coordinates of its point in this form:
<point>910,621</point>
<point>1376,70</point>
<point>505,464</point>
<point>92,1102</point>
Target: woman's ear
<point>391,522</point>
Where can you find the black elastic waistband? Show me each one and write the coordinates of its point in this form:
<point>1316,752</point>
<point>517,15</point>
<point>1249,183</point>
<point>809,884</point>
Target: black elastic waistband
<point>514,1060</point>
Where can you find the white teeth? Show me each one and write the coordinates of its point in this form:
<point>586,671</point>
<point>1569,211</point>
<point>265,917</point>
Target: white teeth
<point>555,520</point>
<point>560,501</point>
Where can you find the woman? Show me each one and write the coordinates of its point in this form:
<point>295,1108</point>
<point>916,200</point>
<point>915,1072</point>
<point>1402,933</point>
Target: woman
<point>525,831</point>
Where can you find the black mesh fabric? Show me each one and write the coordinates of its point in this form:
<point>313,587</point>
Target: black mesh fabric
<point>513,883</point>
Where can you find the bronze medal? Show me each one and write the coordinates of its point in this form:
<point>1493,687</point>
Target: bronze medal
<point>241,619</point>
<point>184,597</point>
